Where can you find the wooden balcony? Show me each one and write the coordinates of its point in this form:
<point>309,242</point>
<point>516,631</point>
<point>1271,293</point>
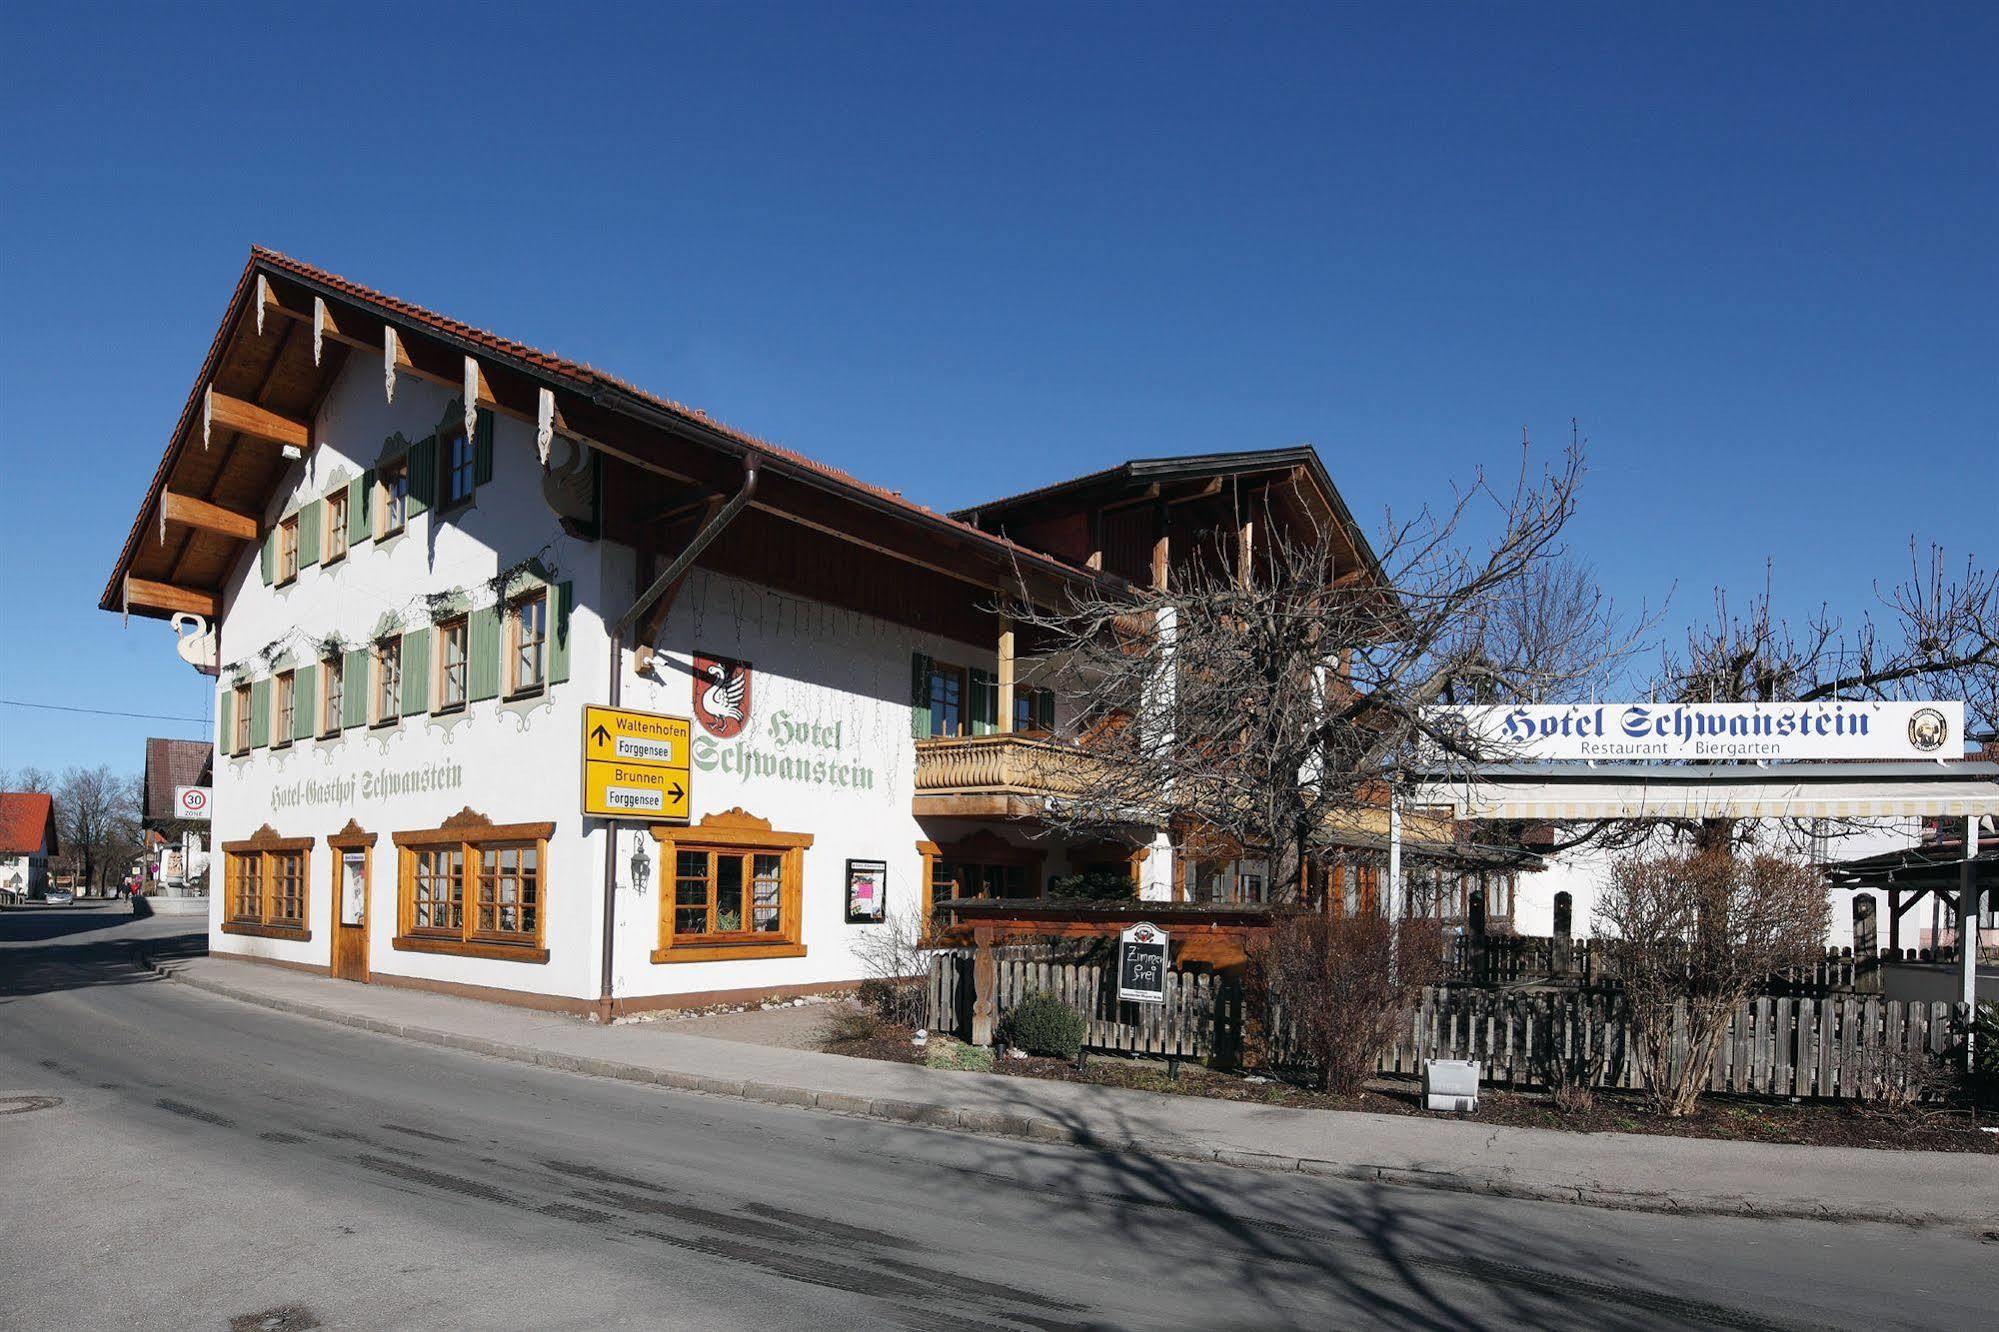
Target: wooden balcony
<point>1003,775</point>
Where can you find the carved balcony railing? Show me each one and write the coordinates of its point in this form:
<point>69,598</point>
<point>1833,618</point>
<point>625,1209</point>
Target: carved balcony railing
<point>998,774</point>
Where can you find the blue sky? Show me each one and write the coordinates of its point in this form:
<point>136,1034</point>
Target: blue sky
<point>962,250</point>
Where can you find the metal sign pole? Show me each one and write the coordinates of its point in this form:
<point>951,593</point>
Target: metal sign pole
<point>1967,932</point>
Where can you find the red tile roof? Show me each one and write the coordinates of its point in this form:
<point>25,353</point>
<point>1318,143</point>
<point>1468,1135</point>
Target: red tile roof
<point>24,817</point>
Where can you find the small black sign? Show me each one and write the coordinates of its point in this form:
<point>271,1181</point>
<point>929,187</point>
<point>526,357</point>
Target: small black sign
<point>1142,958</point>
<point>867,892</point>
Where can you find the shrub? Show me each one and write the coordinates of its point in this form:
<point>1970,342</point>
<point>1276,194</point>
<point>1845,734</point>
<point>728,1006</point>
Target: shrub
<point>1985,1052</point>
<point>1330,990</point>
<point>845,1024</point>
<point>1041,1024</point>
<point>1097,885</point>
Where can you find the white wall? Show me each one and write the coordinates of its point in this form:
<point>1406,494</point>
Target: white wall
<point>510,762</point>
<point>1583,871</point>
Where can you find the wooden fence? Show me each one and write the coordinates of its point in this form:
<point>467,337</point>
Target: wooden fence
<point>1840,1046</point>
<point>1526,959</point>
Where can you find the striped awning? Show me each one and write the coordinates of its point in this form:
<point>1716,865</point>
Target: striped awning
<point>1816,791</point>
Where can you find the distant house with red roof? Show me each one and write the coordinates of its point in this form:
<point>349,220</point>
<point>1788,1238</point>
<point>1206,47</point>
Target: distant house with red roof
<point>27,840</point>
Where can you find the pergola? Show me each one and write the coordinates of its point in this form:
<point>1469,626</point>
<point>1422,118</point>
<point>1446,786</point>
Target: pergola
<point>1583,791</point>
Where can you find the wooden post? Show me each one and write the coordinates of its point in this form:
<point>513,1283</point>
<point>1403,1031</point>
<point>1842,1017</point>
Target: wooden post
<point>1564,946</point>
<point>1005,718</point>
<point>1895,922</point>
<point>985,985</point>
<point>1866,944</point>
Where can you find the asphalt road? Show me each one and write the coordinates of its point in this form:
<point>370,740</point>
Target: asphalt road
<point>209,1161</point>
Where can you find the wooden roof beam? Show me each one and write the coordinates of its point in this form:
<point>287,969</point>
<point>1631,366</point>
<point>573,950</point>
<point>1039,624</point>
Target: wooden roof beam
<point>141,594</point>
<point>192,512</point>
<point>220,411</point>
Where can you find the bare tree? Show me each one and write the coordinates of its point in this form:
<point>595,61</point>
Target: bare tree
<point>1694,933</point>
<point>1271,700</point>
<point>98,820</point>
<point>29,779</point>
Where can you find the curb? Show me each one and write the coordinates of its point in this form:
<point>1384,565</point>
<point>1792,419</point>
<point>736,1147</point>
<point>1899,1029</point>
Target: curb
<point>1001,1124</point>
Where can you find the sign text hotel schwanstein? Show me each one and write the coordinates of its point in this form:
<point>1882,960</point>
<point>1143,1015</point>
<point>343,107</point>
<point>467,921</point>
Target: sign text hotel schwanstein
<point>1828,730</point>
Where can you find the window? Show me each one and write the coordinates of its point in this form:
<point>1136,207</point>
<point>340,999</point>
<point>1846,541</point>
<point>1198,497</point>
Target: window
<point>451,665</point>
<point>332,693</point>
<point>954,879</point>
<point>527,636</point>
<point>723,893</point>
<point>240,743</point>
<point>388,679</point>
<point>1033,711</point>
<point>288,549</point>
<point>392,508</point>
<point>947,699</point>
<point>336,526</point>
<point>266,878</point>
<point>475,888</point>
<point>457,469</point>
<point>732,889</point>
<point>287,718</point>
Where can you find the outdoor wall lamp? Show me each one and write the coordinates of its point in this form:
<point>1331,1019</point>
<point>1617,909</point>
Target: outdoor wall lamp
<point>641,865</point>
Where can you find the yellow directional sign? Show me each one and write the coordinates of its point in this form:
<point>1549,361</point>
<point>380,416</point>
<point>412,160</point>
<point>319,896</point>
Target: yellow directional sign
<point>634,764</point>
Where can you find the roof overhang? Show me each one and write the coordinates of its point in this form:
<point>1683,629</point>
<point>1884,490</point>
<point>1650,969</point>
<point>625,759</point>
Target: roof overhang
<point>1722,791</point>
<point>286,335</point>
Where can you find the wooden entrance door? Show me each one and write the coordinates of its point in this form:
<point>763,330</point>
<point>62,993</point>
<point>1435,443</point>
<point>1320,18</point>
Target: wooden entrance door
<point>353,850</point>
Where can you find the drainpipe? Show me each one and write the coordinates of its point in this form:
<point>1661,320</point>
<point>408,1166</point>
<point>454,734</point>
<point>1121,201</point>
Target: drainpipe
<point>675,571</point>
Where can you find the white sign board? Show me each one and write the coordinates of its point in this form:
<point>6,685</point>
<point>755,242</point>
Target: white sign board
<point>353,887</point>
<point>1695,731</point>
<point>173,865</point>
<point>191,802</point>
<point>1141,966</point>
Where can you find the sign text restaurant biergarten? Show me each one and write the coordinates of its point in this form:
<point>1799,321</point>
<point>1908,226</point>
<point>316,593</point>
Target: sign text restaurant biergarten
<point>1692,731</point>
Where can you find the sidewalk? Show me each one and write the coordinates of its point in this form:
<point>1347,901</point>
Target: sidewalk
<point>1635,1172</point>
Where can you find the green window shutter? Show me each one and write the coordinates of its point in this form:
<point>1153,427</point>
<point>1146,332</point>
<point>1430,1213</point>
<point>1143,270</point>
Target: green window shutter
<point>1044,709</point>
<point>354,690</point>
<point>416,672</point>
<point>482,448</point>
<point>305,701</point>
<point>984,701</point>
<point>423,476</point>
<point>482,651</point>
<point>260,714</point>
<point>359,491</point>
<point>226,710</point>
<point>267,557</point>
<point>308,532</point>
<point>919,695</point>
<point>562,599</point>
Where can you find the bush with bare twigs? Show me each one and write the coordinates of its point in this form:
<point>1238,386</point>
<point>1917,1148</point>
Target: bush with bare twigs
<point>1691,934</point>
<point>1330,990</point>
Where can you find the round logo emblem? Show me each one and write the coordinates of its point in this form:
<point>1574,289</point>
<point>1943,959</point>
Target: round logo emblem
<point>1928,730</point>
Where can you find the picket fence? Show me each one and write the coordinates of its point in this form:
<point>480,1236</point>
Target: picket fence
<point>1840,1046</point>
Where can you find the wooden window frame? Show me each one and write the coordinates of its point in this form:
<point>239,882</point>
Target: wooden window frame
<point>332,667</point>
<point>333,533</point>
<point>287,571</point>
<point>441,671</point>
<point>514,688</point>
<point>734,832</point>
<point>448,468</point>
<point>386,474</point>
<point>468,832</point>
<point>377,657</point>
<point>284,719</point>
<point>265,846</point>
<point>984,847</point>
<point>963,676</point>
<point>239,719</point>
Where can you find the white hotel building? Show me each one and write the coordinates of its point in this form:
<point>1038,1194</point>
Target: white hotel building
<point>404,546</point>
